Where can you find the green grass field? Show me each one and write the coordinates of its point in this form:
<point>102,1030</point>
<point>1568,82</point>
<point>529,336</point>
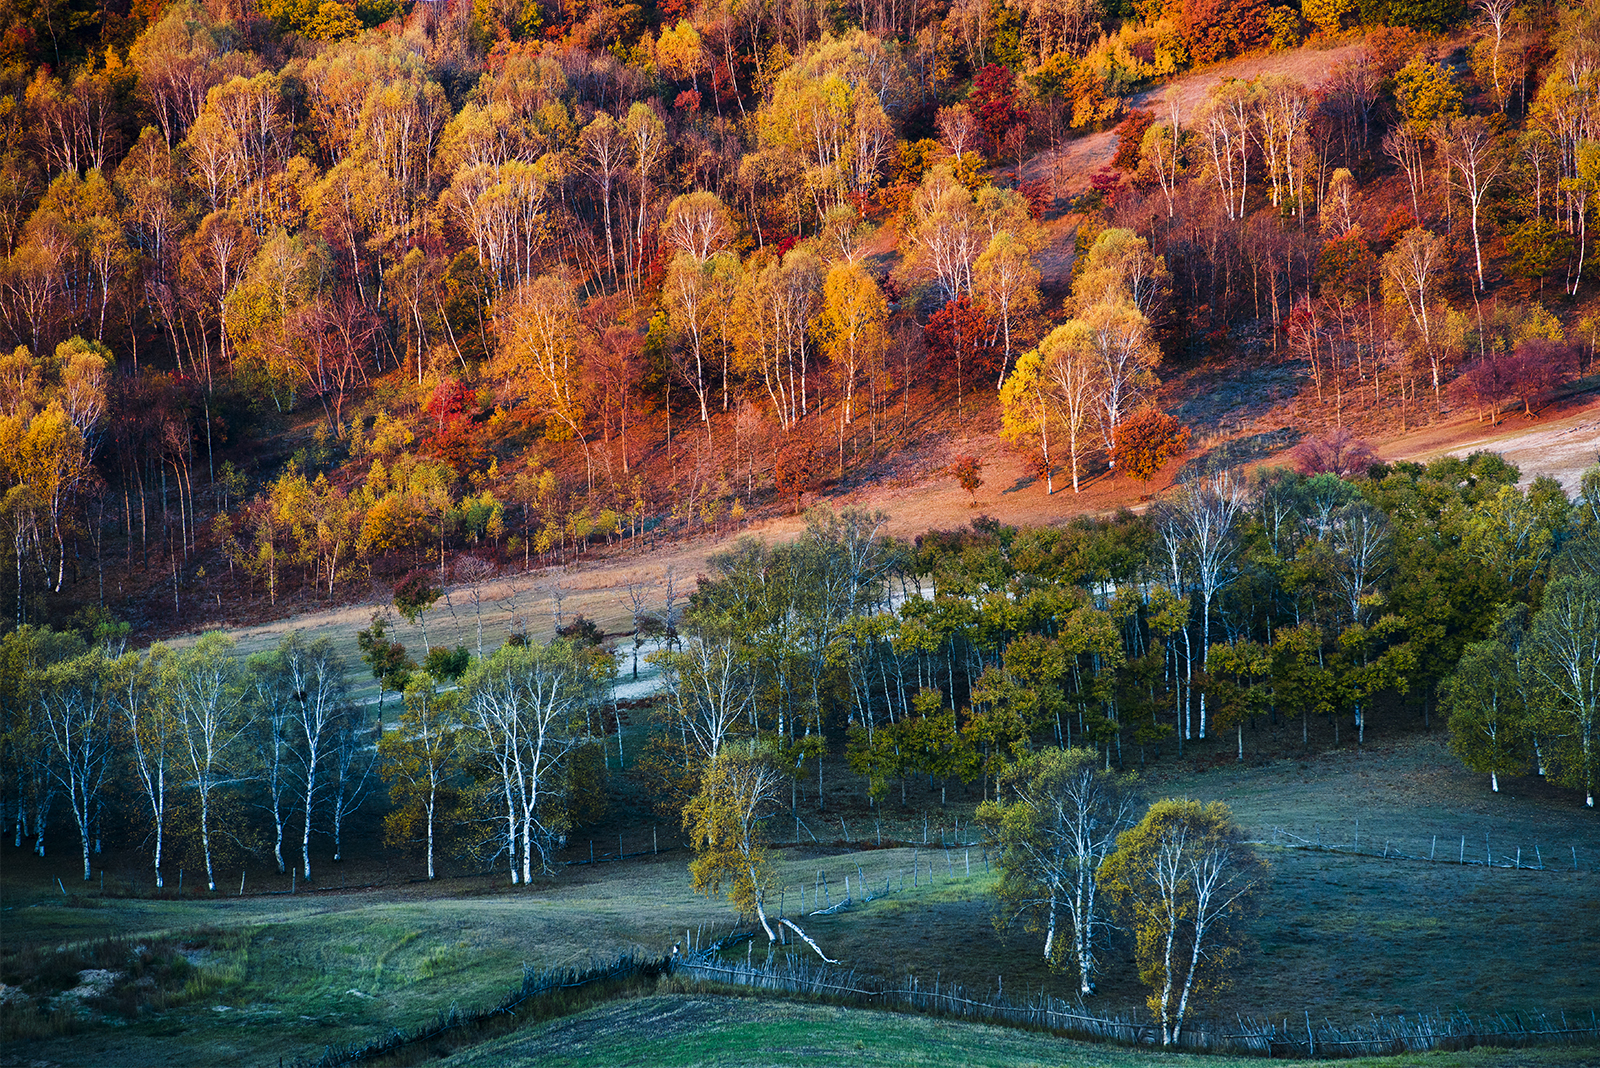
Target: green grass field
<point>1339,936</point>
<point>690,1030</point>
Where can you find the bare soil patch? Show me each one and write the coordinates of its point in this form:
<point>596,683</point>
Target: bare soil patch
<point>1561,445</point>
<point>1070,166</point>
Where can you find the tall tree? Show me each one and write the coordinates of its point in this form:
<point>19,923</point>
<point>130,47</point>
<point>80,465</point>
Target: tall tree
<point>1565,640</point>
<point>852,324</point>
<point>318,677</point>
<point>1486,696</point>
<point>1411,275</point>
<point>524,713</point>
<point>1182,879</point>
<point>419,760</point>
<point>1475,156</point>
<point>207,694</point>
<point>153,735</point>
<point>1059,827</point>
<point>1213,510</point>
<point>727,827</point>
<point>1007,281</point>
<point>709,687</point>
<point>538,357</point>
<point>76,716</point>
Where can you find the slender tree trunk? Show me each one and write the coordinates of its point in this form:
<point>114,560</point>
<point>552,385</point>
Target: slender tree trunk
<point>205,833</point>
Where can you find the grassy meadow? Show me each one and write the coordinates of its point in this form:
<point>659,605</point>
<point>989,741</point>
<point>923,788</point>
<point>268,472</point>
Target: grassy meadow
<point>669,1031</point>
<point>1338,935</point>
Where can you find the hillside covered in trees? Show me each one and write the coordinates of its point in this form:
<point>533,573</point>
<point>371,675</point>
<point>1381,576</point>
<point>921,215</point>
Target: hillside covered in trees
<point>305,294</point>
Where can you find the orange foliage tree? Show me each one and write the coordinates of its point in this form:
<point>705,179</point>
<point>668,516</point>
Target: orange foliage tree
<point>1146,440</point>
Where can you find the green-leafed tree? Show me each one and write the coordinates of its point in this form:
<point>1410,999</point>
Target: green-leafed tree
<point>419,761</point>
<point>1565,659</point>
<point>207,694</point>
<point>1182,880</point>
<point>1486,698</point>
<point>726,822</point>
<point>1239,673</point>
<point>1060,824</point>
<point>387,659</point>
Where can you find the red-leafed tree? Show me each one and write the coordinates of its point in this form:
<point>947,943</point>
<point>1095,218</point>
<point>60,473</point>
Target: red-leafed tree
<point>1216,29</point>
<point>1483,385</point>
<point>452,405</point>
<point>968,471</point>
<point>1347,266</point>
<point>1338,452</point>
<point>1530,372</point>
<point>1130,137</point>
<point>797,467</point>
<point>959,337</point>
<point>1109,184</point>
<point>1537,367</point>
<point>993,103</point>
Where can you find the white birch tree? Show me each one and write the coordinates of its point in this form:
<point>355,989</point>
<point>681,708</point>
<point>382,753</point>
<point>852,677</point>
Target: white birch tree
<point>1181,880</point>
<point>319,689</point>
<point>206,691</point>
<point>525,712</point>
<point>1565,640</point>
<point>274,715</point>
<point>152,733</point>
<point>76,714</point>
<point>1212,509</point>
<point>1061,826</point>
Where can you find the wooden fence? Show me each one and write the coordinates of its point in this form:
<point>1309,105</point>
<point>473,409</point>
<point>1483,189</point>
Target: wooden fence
<point>1289,1037</point>
<point>1463,852</point>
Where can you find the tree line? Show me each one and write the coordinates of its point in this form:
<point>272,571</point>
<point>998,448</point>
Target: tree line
<point>1233,603</point>
<point>196,753</point>
<point>1361,601</point>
